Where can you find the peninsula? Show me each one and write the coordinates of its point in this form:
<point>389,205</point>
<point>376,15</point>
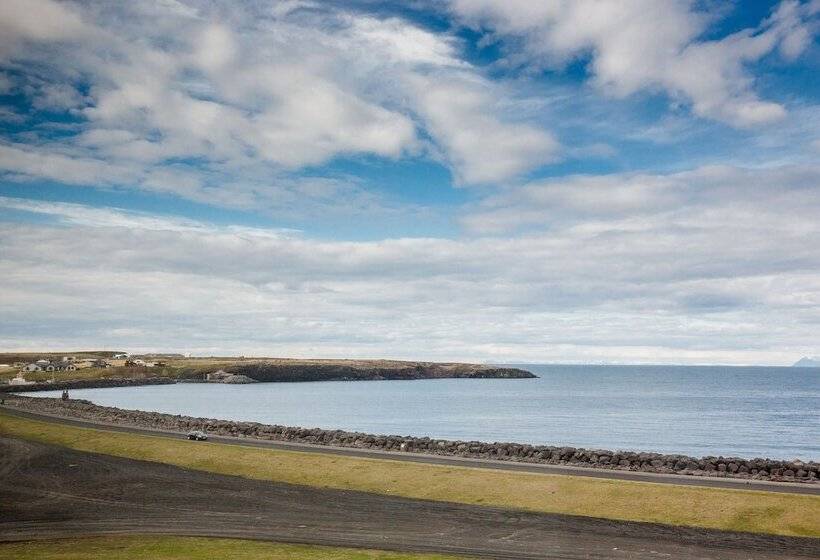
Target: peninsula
<point>43,371</point>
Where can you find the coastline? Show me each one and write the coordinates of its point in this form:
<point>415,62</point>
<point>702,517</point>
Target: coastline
<point>278,370</point>
<point>761,469</point>
<point>99,383</point>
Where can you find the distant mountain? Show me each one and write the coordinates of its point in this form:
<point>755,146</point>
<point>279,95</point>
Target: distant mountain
<point>807,362</point>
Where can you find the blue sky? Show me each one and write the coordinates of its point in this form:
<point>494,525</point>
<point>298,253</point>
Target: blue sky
<point>454,179</point>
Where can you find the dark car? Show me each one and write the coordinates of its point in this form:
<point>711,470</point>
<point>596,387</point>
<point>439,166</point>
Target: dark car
<point>197,435</point>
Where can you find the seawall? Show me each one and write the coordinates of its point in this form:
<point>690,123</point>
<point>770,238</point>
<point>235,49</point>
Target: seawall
<point>752,469</point>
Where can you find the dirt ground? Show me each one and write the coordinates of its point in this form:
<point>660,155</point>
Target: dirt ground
<point>48,492</point>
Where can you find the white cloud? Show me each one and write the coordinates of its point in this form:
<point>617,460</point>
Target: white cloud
<point>257,91</point>
<point>28,161</point>
<point>644,44</point>
<point>37,20</point>
<point>481,147</point>
<point>720,196</point>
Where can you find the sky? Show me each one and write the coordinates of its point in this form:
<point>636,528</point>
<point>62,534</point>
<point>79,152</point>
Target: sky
<point>573,181</point>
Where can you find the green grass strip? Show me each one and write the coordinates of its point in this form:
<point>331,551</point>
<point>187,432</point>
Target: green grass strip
<point>151,547</point>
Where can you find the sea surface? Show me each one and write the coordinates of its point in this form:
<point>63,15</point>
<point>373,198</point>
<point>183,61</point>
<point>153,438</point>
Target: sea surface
<point>731,411</point>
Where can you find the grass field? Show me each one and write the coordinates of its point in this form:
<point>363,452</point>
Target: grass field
<point>149,547</point>
<point>739,510</point>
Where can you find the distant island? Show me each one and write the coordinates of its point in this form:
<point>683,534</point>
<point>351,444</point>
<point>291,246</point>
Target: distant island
<point>807,362</point>
<point>39,371</point>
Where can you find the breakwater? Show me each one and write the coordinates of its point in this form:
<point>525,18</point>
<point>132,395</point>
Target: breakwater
<point>753,469</point>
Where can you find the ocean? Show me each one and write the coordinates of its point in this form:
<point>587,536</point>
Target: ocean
<point>731,411</point>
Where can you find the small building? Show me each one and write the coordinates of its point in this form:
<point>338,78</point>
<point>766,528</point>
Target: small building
<point>217,376</point>
<point>45,365</point>
<point>19,380</point>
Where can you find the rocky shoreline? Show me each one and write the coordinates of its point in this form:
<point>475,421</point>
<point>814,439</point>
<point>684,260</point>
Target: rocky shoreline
<point>295,372</point>
<point>88,384</point>
<point>283,371</point>
<point>726,467</point>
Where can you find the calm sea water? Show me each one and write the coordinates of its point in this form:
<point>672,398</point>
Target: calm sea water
<point>740,411</point>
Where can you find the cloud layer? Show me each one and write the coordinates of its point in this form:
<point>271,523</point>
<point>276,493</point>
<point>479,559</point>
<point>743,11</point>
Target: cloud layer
<point>646,270</point>
<point>459,179</point>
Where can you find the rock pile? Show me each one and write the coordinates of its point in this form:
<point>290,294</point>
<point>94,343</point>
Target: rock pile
<point>756,469</point>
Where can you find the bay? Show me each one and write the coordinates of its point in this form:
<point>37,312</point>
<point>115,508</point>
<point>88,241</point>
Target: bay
<point>711,410</point>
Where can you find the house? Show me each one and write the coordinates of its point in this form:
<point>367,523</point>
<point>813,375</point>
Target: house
<point>120,356</point>
<point>218,376</point>
<point>19,380</point>
<point>45,365</point>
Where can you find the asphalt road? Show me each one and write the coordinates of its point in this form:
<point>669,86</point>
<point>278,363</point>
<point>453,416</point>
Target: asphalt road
<point>733,483</point>
<point>51,492</point>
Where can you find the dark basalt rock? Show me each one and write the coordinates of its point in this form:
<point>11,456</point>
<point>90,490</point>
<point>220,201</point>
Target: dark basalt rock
<point>88,384</point>
<point>270,372</point>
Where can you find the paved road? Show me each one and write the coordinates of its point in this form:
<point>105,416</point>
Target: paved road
<point>733,483</point>
<point>50,492</point>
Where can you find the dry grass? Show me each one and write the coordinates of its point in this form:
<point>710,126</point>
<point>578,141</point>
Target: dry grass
<point>188,548</point>
<point>739,510</point>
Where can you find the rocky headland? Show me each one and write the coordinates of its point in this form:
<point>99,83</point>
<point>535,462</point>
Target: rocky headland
<point>370,371</point>
<point>732,467</point>
<point>266,370</point>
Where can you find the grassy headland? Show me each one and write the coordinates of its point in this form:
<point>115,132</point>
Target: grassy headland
<point>737,510</point>
<point>153,547</point>
<point>260,369</point>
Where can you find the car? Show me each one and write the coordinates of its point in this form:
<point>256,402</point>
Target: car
<point>197,435</point>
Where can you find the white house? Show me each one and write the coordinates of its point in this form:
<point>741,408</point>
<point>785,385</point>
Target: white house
<point>19,380</point>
